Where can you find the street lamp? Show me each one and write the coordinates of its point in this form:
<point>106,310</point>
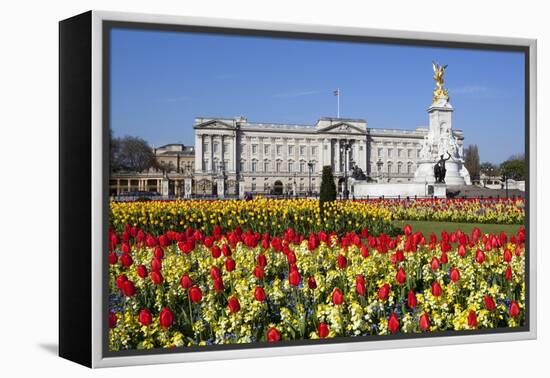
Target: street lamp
<point>310,166</point>
<point>344,149</point>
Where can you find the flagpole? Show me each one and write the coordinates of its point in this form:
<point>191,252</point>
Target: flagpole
<point>338,102</point>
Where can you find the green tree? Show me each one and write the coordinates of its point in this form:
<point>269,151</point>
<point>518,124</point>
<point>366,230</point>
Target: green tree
<point>131,154</point>
<point>489,169</point>
<point>328,188</point>
<point>514,167</point>
<point>471,161</point>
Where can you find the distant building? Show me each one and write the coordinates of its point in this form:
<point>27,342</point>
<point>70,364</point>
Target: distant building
<point>175,162</point>
<point>287,158</point>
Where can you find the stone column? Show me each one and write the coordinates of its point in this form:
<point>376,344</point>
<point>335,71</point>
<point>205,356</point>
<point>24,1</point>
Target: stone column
<point>337,156</point>
<point>234,152</point>
<point>211,168</point>
<point>198,153</point>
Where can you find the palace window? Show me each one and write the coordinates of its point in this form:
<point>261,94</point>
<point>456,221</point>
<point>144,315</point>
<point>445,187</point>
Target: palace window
<point>379,152</point>
<point>409,168</point>
<point>389,152</point>
<point>314,150</point>
<point>409,153</point>
<point>266,149</point>
<point>215,146</point>
<point>279,149</point>
<point>243,166</point>
<point>254,166</point>
<point>290,166</point>
<point>254,148</point>
<point>302,150</point>
<point>399,152</point>
<point>266,166</point>
<point>398,167</point>
<point>302,167</point>
<point>205,147</point>
<point>290,150</point>
<point>278,166</point>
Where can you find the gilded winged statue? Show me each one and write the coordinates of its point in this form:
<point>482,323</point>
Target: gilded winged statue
<point>439,71</point>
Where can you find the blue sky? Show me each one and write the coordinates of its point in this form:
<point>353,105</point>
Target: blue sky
<point>161,81</point>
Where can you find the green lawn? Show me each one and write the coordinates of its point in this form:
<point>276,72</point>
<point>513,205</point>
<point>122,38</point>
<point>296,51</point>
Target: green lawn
<point>428,226</point>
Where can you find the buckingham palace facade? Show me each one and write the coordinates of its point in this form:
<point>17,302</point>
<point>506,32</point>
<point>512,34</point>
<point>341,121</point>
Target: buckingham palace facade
<point>275,158</point>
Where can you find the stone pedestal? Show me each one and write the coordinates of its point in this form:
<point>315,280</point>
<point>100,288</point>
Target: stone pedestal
<point>241,189</point>
<point>164,187</point>
<point>424,173</point>
<point>188,187</point>
<point>220,187</point>
<point>362,189</point>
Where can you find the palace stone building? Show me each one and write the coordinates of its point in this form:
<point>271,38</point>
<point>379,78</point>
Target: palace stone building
<point>289,158</point>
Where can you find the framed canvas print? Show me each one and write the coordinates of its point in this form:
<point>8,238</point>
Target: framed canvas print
<point>234,189</point>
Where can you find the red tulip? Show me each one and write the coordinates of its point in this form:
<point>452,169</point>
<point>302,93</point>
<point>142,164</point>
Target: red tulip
<point>393,323</point>
<point>120,281</point>
<point>195,294</point>
<point>360,284</point>
<point>158,252</point>
<point>216,252</point>
<point>436,289</point>
<point>125,260</point>
<point>186,281</point>
<point>341,261</point>
<point>112,319</point>
<point>472,319</point>
<point>461,250</point>
<point>128,288</point>
<point>229,264</point>
<point>411,299</point>
<point>226,250</point>
<point>259,294</point>
<point>401,276</point>
<point>273,335</point>
<point>156,264</point>
<point>208,241</point>
<point>337,297</point>
<point>322,330</point>
<point>145,317</point>
<point>407,229</point>
<point>311,283</point>
<point>443,258</point>
<point>508,273</point>
<point>489,302</point>
<point>156,277</point>
<point>480,256</point>
<point>259,271</point>
<point>514,309</point>
<point>434,264</point>
<point>218,284</point>
<point>507,255</point>
<point>141,271</point>
<point>233,304</point>
<point>384,292</point>
<point>424,322</point>
<point>125,248</point>
<point>364,251</point>
<point>113,259</point>
<point>166,317</point>
<point>262,260</point>
<point>215,272</point>
<point>294,278</point>
<point>454,273</point>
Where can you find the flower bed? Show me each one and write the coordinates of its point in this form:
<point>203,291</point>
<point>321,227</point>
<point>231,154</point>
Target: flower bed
<point>185,287</point>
